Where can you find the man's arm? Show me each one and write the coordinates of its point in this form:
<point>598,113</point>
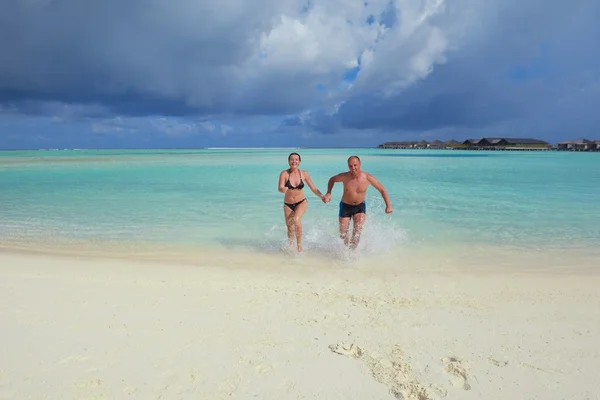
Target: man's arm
<point>332,181</point>
<point>384,194</point>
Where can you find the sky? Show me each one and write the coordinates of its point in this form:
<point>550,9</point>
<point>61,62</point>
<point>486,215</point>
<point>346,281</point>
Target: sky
<point>295,73</point>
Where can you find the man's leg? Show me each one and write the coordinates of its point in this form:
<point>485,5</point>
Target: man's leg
<point>359,221</point>
<point>344,224</point>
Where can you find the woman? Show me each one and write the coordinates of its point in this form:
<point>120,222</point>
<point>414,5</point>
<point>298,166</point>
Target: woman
<point>291,183</point>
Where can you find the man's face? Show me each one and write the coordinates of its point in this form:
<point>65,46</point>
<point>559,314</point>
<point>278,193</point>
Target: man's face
<point>354,166</point>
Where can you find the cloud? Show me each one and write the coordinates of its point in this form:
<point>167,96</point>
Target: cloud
<point>530,71</point>
<point>195,68</point>
<point>196,57</point>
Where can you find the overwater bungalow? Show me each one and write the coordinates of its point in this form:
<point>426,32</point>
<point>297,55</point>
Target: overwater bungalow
<point>436,144</point>
<point>507,144</point>
<point>473,144</point>
<point>579,145</point>
<point>397,145</point>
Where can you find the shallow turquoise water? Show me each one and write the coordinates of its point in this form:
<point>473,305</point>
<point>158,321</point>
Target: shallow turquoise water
<point>209,198</point>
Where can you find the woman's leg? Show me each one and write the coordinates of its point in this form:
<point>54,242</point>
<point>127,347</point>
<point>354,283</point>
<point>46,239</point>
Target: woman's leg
<point>300,210</point>
<point>289,223</point>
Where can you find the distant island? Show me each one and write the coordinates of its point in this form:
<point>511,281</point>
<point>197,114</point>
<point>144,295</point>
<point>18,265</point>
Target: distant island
<point>523,144</point>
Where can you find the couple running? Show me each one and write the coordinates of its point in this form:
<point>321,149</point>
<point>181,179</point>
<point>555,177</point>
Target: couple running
<point>352,206</point>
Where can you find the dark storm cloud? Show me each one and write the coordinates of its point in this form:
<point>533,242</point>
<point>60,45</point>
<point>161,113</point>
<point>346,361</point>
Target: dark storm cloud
<point>168,57</point>
<point>192,56</point>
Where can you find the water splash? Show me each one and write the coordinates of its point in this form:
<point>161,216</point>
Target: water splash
<point>381,234</point>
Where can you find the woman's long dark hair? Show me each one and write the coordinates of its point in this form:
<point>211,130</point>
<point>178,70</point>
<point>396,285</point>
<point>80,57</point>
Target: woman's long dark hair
<point>294,154</point>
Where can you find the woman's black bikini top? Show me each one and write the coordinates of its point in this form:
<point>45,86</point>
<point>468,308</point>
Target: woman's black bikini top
<point>289,185</point>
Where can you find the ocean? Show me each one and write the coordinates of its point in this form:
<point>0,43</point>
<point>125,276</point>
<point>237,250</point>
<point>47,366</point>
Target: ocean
<point>195,203</point>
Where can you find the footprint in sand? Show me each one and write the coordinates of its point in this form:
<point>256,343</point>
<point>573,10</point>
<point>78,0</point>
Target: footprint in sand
<point>456,367</point>
<point>346,349</point>
<point>394,371</point>
<point>497,363</point>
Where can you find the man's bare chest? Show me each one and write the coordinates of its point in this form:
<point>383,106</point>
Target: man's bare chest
<point>357,185</point>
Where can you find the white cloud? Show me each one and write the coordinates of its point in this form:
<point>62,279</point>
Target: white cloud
<point>320,45</point>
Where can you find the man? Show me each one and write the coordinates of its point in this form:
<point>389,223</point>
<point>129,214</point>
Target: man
<point>352,206</point>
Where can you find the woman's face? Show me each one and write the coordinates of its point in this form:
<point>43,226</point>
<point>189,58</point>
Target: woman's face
<point>294,160</point>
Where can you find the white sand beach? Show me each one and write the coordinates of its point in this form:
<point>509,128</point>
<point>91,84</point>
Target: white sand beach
<point>91,328</point>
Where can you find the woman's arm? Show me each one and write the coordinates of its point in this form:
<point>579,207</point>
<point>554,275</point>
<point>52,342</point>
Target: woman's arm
<point>282,188</point>
<point>311,185</point>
